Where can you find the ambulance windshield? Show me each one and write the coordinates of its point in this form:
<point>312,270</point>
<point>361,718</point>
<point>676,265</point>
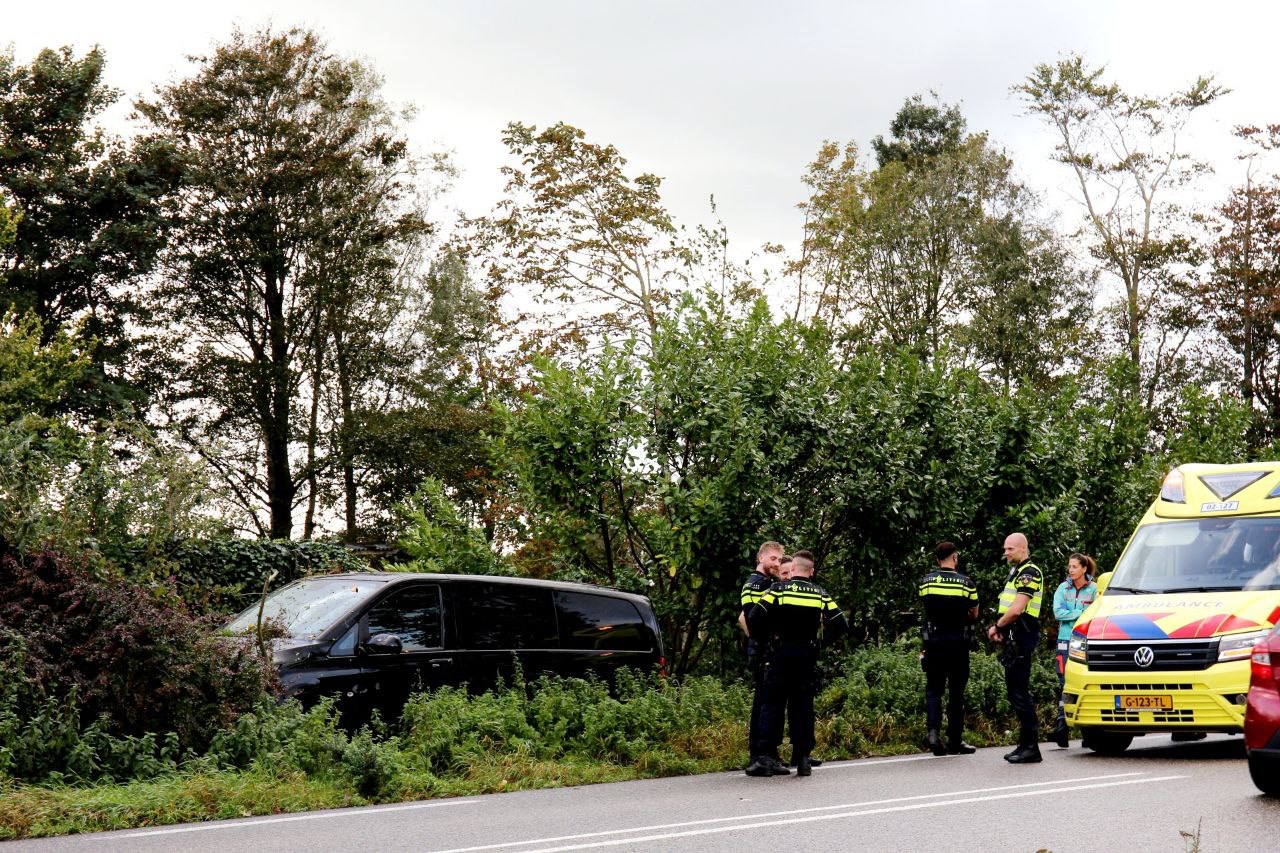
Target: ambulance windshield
<point>1205,555</point>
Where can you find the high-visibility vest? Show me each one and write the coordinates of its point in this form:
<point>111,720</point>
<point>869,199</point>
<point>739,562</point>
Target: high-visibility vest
<point>1027,578</point>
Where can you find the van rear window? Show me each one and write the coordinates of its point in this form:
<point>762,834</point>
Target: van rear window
<point>601,622</point>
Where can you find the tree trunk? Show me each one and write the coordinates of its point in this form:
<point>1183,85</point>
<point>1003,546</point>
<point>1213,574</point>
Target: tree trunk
<point>276,432</point>
<point>346,404</point>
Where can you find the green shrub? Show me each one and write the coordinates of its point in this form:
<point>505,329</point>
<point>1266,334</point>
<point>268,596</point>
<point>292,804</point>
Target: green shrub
<point>99,677</point>
<point>223,576</point>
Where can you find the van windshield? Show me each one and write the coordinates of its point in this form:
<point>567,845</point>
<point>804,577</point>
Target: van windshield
<point>1204,555</point>
<point>305,609</point>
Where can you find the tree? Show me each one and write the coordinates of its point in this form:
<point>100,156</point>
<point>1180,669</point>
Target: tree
<point>1125,153</point>
<point>289,221</point>
<point>580,232</point>
<point>1242,295</point>
<point>937,243</point>
<point>90,209</point>
<point>1030,313</point>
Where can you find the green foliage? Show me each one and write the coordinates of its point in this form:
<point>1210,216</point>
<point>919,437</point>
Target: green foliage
<point>877,697</point>
<point>223,575</point>
<point>76,648</point>
<point>91,220</point>
<point>438,538</point>
<point>295,213</point>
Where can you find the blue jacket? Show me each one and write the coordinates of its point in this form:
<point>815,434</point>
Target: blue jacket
<point>1069,603</point>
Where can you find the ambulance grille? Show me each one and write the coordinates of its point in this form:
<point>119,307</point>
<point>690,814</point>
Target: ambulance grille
<point>1185,655</point>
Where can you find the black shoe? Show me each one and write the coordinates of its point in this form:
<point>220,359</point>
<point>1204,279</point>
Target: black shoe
<point>1011,753</point>
<point>1025,755</point>
<point>776,765</point>
<point>815,762</point>
<point>959,747</point>
<point>933,742</point>
<point>760,766</point>
<point>1061,736</point>
<point>804,767</point>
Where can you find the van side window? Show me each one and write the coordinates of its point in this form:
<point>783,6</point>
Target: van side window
<point>601,622</point>
<point>503,616</point>
<point>345,646</point>
<point>412,614</point>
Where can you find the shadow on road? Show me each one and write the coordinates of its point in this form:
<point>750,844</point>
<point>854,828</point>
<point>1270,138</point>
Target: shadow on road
<point>1159,746</point>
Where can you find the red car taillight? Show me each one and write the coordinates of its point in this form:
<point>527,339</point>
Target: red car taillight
<point>1260,668</point>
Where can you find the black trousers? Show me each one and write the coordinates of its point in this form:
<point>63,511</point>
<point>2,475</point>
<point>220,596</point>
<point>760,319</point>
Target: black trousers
<point>756,743</point>
<point>1017,679</point>
<point>946,669</point>
<point>790,682</point>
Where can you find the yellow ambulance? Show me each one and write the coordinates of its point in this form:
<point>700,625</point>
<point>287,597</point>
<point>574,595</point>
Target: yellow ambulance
<point>1166,646</point>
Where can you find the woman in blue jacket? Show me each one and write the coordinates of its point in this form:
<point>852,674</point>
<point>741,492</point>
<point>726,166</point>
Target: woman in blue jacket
<point>1073,597</point>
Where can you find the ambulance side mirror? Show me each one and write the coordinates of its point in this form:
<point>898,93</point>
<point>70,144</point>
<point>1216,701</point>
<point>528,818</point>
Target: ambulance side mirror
<point>1103,580</point>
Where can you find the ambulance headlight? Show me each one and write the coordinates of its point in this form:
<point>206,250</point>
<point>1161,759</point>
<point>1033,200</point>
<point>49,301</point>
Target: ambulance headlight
<point>1079,649</point>
<point>1239,646</point>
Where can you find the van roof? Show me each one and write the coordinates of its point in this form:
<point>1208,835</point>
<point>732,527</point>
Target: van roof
<point>1249,488</point>
<point>568,586</point>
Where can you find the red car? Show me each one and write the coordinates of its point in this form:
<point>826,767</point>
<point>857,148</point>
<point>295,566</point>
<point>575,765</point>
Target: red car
<point>1262,715</point>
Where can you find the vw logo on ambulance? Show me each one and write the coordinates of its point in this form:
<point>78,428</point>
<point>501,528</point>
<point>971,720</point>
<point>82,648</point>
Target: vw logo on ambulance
<point>1144,657</point>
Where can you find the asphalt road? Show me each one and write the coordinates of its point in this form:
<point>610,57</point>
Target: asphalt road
<point>1074,801</point>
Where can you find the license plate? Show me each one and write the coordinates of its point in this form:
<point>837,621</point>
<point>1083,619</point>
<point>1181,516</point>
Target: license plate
<point>1144,703</point>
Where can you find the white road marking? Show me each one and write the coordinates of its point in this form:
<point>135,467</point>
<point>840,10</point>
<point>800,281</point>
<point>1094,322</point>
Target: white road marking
<point>811,810</point>
<point>814,818</point>
<point>854,765</point>
<point>261,821</point>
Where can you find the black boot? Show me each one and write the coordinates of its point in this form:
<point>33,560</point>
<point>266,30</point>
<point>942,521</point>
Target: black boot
<point>1025,755</point>
<point>803,766</point>
<point>1061,736</point>
<point>934,743</point>
<point>760,766</point>
<point>778,766</point>
<point>956,746</point>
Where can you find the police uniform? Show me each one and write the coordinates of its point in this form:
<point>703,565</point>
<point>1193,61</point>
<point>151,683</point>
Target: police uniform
<point>949,597</point>
<point>756,585</point>
<point>1020,639</point>
<point>795,618</point>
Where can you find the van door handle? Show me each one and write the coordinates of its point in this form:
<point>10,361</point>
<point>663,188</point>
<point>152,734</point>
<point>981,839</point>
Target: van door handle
<point>437,663</point>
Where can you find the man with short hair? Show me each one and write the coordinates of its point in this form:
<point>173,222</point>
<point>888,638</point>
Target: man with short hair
<point>768,559</point>
<point>784,568</point>
<point>1018,630</point>
<point>950,601</point>
<point>796,618</point>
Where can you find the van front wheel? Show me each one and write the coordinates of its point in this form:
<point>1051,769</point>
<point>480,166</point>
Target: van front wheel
<point>1107,743</point>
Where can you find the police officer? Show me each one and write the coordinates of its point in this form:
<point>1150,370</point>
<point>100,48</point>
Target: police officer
<point>796,618</point>
<point>950,601</point>
<point>768,560</point>
<point>1018,630</point>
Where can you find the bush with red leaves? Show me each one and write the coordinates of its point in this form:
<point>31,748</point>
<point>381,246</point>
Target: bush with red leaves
<point>137,662</point>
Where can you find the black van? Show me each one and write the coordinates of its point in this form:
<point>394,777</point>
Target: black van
<point>373,638</point>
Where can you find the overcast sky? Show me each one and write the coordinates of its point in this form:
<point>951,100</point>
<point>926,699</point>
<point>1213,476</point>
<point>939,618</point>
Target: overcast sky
<point>723,98</point>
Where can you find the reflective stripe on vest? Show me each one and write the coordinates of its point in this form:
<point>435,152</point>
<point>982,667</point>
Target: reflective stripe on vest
<point>1010,591</point>
<point>798,598</point>
<point>751,593</point>
<point>955,589</point>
